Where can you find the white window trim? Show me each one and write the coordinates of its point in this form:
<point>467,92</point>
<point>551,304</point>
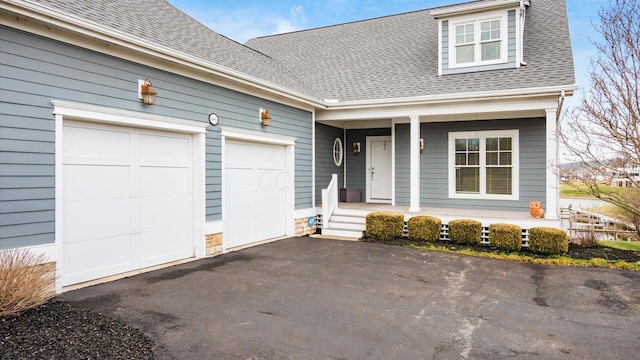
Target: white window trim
<point>477,19</point>
<point>482,135</point>
<point>338,151</point>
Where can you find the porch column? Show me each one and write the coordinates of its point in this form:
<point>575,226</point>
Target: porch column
<point>553,186</point>
<point>414,173</point>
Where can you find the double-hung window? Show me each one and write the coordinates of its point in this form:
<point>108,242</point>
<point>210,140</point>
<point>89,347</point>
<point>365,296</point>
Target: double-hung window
<point>484,165</point>
<point>478,41</point>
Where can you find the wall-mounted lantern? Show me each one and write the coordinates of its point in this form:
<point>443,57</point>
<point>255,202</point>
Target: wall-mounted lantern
<point>421,145</point>
<point>265,117</point>
<point>146,92</point>
<point>356,148</point>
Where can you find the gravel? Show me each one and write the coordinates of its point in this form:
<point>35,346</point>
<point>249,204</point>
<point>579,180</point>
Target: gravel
<point>58,330</point>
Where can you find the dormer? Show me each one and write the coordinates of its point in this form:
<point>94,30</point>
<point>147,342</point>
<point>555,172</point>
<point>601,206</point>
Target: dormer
<point>480,36</point>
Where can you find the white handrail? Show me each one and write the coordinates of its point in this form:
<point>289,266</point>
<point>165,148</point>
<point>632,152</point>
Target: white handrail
<point>329,200</point>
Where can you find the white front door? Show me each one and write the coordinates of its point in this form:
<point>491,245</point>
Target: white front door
<point>255,192</point>
<point>379,169</point>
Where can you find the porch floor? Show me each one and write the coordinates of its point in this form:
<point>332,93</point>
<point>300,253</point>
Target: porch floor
<point>486,217</point>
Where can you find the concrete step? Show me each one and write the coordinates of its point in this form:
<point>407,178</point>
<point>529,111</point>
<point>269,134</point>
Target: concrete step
<point>342,233</point>
<point>348,219</point>
<point>350,212</point>
<point>346,226</point>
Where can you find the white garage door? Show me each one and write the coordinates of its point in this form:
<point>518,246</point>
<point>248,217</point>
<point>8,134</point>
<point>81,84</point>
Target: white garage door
<point>255,188</point>
<point>127,200</point>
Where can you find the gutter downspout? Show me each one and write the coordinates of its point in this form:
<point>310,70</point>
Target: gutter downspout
<point>523,16</point>
<point>560,103</point>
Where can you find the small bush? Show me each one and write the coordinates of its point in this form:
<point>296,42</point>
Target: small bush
<point>26,281</point>
<point>505,236</point>
<point>548,240</point>
<point>384,225</point>
<point>585,238</point>
<point>465,231</point>
<point>424,228</point>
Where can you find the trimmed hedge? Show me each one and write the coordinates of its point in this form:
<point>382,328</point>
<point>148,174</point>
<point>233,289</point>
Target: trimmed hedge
<point>548,240</point>
<point>384,225</point>
<point>424,228</point>
<point>505,236</point>
<point>463,231</point>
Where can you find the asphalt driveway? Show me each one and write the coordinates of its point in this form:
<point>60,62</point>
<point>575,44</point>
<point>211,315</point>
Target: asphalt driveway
<point>305,298</point>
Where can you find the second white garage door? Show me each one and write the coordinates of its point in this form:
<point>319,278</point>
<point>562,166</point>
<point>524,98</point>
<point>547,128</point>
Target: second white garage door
<point>255,190</point>
<point>127,200</point>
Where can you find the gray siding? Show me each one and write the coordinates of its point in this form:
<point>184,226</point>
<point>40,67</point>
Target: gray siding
<point>511,49</point>
<point>325,166</point>
<point>35,70</point>
<point>434,191</point>
<point>357,164</point>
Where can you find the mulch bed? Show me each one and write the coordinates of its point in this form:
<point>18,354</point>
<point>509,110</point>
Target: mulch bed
<point>575,251</point>
<point>58,330</point>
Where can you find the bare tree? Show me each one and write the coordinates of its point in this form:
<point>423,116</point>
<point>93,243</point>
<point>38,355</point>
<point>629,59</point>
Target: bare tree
<point>603,131</point>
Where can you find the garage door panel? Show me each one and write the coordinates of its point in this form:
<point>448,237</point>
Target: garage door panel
<point>163,213</point>
<point>164,148</point>
<point>96,143</point>
<point>157,247</point>
<point>92,259</point>
<point>254,192</point>
<point>163,181</point>
<point>239,153</point>
<point>243,180</point>
<point>127,200</point>
<point>96,219</point>
<point>86,182</point>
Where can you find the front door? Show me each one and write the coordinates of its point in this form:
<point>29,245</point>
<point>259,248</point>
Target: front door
<point>379,169</point>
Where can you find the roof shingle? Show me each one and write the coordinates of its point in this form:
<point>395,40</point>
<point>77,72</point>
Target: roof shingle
<point>397,56</point>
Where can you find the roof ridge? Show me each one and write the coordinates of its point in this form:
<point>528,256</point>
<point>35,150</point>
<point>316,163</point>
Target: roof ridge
<point>363,20</point>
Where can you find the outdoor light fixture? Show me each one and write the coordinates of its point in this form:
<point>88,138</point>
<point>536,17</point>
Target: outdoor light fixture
<point>356,148</point>
<point>146,92</point>
<point>421,144</point>
<point>265,117</point>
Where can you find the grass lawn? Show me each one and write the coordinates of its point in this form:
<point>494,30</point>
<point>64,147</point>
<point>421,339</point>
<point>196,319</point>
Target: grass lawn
<point>569,191</point>
<point>622,245</point>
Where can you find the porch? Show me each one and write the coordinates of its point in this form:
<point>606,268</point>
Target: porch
<point>348,220</point>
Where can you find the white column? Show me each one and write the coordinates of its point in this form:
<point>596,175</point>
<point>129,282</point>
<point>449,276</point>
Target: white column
<point>414,173</point>
<point>553,186</point>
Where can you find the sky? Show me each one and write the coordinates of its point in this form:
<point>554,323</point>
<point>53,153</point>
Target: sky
<point>241,20</point>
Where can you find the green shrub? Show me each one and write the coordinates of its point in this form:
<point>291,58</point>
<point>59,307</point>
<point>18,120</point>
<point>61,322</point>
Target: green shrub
<point>505,236</point>
<point>26,280</point>
<point>548,240</point>
<point>463,231</point>
<point>384,225</point>
<point>424,228</point>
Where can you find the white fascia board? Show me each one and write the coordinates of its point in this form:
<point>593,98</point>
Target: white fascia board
<point>456,97</point>
<point>93,30</point>
<point>471,108</point>
<point>467,8</point>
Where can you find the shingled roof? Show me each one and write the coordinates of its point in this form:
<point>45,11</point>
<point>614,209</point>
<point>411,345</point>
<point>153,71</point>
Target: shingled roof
<point>383,58</point>
<point>396,56</point>
<point>159,22</point>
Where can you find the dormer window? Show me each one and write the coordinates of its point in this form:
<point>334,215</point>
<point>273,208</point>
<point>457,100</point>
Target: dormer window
<point>480,36</point>
<point>476,42</point>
